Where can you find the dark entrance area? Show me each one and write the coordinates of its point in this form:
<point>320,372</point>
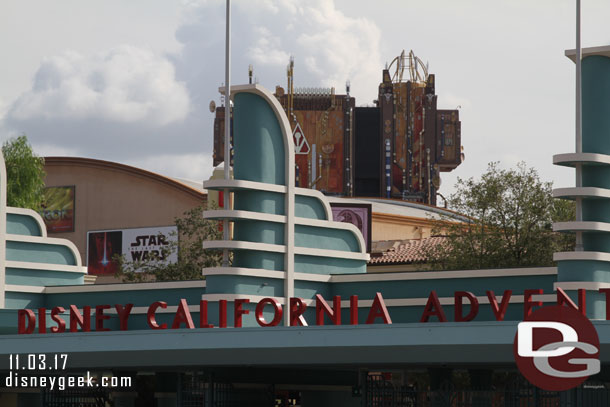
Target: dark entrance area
<point>424,387</point>
<point>326,387</point>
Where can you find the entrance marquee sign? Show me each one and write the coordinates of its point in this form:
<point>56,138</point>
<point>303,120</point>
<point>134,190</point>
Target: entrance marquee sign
<point>81,321</point>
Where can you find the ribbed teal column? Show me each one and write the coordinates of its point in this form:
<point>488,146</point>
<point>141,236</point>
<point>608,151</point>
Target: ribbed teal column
<point>591,266</point>
<point>259,156</point>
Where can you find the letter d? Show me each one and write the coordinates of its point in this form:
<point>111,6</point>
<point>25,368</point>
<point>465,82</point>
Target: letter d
<point>525,338</point>
<point>26,321</point>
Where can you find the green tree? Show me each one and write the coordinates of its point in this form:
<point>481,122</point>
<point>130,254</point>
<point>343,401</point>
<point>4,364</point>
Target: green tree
<point>508,218</point>
<point>193,229</point>
<point>24,173</point>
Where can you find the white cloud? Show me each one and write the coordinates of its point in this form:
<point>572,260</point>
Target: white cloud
<point>448,100</point>
<point>195,167</point>
<point>3,107</point>
<point>124,85</point>
<point>328,46</point>
<point>54,150</point>
<point>142,108</point>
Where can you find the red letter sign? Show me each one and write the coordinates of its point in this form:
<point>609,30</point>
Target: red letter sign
<point>474,306</point>
<point>323,308</point>
<point>123,314</point>
<point>203,315</point>
<point>528,304</point>
<point>76,319</point>
<point>152,321</point>
<point>433,307</point>
<point>26,321</point>
<point>183,316</point>
<point>499,311</point>
<point>238,311</point>
<point>277,312</point>
<point>563,298</point>
<point>297,308</point>
<point>61,324</point>
<point>100,317</point>
<point>378,310</point>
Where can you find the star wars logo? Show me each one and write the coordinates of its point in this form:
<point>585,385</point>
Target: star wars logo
<point>146,247</point>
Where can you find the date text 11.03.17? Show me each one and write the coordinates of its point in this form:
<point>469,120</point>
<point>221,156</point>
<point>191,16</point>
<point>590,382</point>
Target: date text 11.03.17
<point>38,361</point>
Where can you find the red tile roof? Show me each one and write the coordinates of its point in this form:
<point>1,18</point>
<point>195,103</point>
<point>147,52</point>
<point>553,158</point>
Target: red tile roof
<point>404,251</point>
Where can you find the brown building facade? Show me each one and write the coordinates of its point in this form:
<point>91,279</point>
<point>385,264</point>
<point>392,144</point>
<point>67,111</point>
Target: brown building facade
<point>112,196</point>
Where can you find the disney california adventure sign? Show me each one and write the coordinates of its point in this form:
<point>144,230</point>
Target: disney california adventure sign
<point>30,322</point>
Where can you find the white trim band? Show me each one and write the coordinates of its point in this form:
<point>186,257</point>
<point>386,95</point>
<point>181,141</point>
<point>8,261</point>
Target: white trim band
<point>389,302</point>
<point>125,287</point>
<point>595,256</point>
<point>434,275</point>
<point>571,159</point>
<point>45,267</point>
<point>237,184</point>
<point>263,273</point>
<point>584,192</point>
<point>584,226</point>
<point>576,285</point>
<point>243,245</point>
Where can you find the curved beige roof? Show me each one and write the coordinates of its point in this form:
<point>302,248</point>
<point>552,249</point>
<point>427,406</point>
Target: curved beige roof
<point>182,185</point>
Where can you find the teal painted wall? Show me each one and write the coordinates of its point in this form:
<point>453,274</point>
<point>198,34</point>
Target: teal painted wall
<point>258,141</point>
<point>259,231</point>
<point>42,278</point>
<point>596,104</point>
<point>260,201</point>
<point>595,130</point>
<point>327,265</point>
<point>219,284</point>
<point>309,207</point>
<point>39,253</point>
<point>323,238</point>
<point>16,300</point>
<point>22,225</point>
<point>258,260</point>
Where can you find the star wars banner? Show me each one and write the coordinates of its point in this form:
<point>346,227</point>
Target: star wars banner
<point>134,244</point>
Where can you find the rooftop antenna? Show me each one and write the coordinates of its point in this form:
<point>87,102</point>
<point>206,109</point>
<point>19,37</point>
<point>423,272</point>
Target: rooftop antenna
<point>227,155</point>
<point>579,242</point>
<point>290,87</point>
<point>250,71</point>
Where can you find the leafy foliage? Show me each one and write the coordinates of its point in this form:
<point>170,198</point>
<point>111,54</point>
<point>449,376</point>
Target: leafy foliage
<point>193,229</point>
<point>24,173</point>
<point>509,222</point>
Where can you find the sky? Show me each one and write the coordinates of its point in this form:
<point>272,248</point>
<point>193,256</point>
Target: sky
<point>131,81</point>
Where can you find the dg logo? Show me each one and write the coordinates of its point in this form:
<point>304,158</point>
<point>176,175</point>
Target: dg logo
<point>556,348</point>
